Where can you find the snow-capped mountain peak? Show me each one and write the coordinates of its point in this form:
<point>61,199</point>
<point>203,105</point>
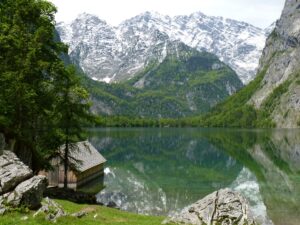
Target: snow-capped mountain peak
<point>110,53</point>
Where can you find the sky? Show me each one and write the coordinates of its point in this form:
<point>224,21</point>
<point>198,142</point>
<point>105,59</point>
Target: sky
<point>260,13</point>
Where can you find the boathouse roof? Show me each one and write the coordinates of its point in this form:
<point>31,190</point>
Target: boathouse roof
<point>84,156</point>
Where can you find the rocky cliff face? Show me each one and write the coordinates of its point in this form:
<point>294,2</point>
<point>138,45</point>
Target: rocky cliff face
<point>109,53</point>
<point>280,87</point>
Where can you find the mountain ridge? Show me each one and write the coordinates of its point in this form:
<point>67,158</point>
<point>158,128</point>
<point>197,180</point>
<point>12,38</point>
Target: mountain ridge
<point>114,54</point>
<point>186,82</point>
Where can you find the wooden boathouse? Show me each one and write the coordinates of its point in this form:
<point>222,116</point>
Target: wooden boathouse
<point>87,165</point>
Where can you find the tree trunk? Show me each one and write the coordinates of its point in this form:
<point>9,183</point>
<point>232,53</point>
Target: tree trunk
<point>66,163</point>
<point>66,160</point>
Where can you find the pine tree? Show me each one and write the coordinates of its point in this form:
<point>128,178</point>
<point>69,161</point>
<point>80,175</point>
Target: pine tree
<point>73,115</point>
<point>32,82</point>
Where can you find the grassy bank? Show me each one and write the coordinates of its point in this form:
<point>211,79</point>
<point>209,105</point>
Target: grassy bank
<point>96,215</point>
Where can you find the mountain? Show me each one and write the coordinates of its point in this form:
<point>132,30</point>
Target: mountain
<point>273,98</point>
<point>186,82</point>
<point>280,88</point>
<point>113,54</point>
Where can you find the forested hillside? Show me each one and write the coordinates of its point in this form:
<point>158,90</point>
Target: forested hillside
<point>187,82</point>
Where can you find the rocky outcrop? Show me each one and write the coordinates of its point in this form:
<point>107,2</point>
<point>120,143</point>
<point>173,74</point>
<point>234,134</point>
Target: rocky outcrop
<point>18,186</point>
<point>51,209</point>
<point>281,63</point>
<point>221,207</point>
<point>28,193</point>
<point>12,172</point>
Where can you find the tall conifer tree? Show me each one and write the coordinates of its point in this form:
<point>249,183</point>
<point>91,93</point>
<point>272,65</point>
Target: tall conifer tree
<point>32,79</point>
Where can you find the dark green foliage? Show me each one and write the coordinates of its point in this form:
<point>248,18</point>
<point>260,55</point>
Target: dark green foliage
<point>32,76</point>
<point>123,121</point>
<point>269,105</point>
<point>273,99</point>
<point>190,70</point>
<point>29,68</point>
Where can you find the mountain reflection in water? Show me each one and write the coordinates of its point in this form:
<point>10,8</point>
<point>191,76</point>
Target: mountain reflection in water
<point>159,171</point>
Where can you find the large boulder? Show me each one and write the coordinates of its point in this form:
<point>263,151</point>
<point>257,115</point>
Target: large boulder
<point>12,172</point>
<point>223,207</point>
<point>18,186</point>
<point>28,193</point>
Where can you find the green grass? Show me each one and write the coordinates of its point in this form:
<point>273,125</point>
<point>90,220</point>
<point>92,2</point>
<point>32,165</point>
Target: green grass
<point>104,216</point>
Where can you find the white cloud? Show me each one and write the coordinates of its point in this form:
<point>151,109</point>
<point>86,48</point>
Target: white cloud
<point>256,12</point>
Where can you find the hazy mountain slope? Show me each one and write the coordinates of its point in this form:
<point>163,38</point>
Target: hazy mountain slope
<point>109,53</point>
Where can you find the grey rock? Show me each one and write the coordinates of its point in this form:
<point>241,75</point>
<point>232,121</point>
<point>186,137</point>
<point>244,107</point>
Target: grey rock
<point>292,42</point>
<point>79,214</point>
<point>112,204</point>
<point>12,172</point>
<point>281,60</point>
<point>52,210</point>
<point>2,206</point>
<point>17,186</point>
<point>29,193</point>
<point>217,66</point>
<point>2,211</point>
<point>113,199</point>
<point>221,207</point>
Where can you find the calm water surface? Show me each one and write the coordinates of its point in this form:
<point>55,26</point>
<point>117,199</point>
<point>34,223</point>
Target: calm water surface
<point>160,171</point>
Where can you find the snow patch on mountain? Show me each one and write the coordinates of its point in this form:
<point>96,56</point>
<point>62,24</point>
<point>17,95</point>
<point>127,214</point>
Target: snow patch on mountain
<point>112,54</point>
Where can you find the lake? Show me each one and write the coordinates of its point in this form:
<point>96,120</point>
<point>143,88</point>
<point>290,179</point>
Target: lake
<point>160,171</point>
